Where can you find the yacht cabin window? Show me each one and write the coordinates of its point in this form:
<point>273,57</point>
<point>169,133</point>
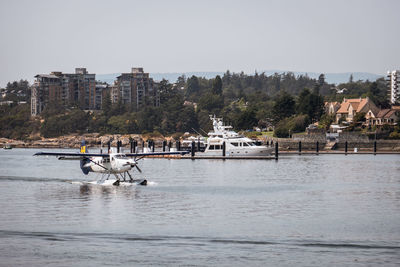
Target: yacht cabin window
<point>215,147</point>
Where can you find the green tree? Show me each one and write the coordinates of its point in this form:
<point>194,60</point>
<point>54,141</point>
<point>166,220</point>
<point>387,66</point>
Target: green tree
<point>310,104</point>
<point>246,119</point>
<point>217,85</point>
<point>106,104</point>
<point>284,106</point>
<point>291,125</point>
<point>192,85</point>
<point>211,102</point>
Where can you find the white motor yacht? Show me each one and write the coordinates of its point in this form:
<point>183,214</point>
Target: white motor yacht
<point>235,144</point>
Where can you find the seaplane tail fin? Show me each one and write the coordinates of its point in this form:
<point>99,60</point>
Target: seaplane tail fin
<point>83,147</point>
<point>84,161</point>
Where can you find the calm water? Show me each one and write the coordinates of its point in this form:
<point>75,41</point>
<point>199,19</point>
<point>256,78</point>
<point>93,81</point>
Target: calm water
<point>300,211</point>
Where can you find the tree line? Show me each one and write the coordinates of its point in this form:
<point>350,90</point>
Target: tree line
<point>288,102</point>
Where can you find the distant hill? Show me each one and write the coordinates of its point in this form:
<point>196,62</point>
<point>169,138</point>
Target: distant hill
<point>336,78</point>
<point>329,77</point>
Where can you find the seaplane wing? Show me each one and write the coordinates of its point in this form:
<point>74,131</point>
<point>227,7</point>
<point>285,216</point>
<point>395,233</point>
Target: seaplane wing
<point>156,154</point>
<point>71,154</point>
<point>88,155</point>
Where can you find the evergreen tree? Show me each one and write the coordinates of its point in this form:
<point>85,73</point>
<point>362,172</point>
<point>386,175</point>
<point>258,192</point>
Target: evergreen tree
<point>193,85</point>
<point>284,106</point>
<point>217,85</point>
<point>106,104</point>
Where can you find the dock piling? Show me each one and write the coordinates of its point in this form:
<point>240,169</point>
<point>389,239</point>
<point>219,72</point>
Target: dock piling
<point>192,149</point>
<point>299,147</point>
<point>345,147</point>
<point>223,149</point>
<point>276,151</point>
<point>317,147</point>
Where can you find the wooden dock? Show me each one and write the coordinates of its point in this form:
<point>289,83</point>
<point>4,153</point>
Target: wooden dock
<point>281,153</point>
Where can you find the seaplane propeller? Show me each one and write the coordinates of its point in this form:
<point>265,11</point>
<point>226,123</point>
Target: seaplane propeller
<point>137,167</point>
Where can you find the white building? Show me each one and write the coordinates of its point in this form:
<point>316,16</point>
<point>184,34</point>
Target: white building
<point>393,78</point>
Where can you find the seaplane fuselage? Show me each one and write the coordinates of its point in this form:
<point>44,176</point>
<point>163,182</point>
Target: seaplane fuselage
<point>115,163</point>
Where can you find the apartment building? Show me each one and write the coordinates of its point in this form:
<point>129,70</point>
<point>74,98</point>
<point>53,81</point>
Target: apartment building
<point>77,88</point>
<point>136,88</point>
<point>393,80</point>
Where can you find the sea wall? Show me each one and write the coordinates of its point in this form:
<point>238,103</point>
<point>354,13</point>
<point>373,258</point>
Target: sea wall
<point>361,145</point>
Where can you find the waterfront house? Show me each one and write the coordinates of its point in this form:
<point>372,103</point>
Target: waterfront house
<point>331,107</point>
<point>351,107</point>
<point>386,116</point>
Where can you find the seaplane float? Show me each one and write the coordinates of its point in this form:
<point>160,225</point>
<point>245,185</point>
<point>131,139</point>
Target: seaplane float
<point>116,164</point>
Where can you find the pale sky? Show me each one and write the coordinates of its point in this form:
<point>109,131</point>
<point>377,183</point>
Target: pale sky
<point>321,36</point>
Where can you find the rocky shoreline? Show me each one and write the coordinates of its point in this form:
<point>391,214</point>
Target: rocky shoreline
<point>72,141</point>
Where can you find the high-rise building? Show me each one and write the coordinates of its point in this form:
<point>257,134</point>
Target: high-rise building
<point>136,88</point>
<point>67,89</point>
<point>393,79</point>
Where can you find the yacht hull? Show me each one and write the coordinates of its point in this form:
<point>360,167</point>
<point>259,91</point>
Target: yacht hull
<point>251,152</point>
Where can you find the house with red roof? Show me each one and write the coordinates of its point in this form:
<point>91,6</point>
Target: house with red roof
<point>351,107</point>
<point>385,116</point>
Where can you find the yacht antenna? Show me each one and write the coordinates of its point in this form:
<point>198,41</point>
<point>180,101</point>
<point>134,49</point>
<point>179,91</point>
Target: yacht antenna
<point>196,131</point>
<point>204,132</point>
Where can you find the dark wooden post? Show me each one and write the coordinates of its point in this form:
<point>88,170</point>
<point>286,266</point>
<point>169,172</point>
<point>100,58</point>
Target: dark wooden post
<point>223,149</point>
<point>193,147</point>
<point>178,145</point>
<point>118,147</point>
<point>164,144</point>
<point>299,147</point>
<point>345,147</point>
<point>276,151</point>
<point>169,145</point>
<point>108,146</point>
<point>317,147</point>
<point>375,147</point>
<point>142,145</point>
<point>153,144</point>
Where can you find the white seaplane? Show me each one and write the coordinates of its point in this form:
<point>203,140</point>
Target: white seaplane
<point>117,164</point>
